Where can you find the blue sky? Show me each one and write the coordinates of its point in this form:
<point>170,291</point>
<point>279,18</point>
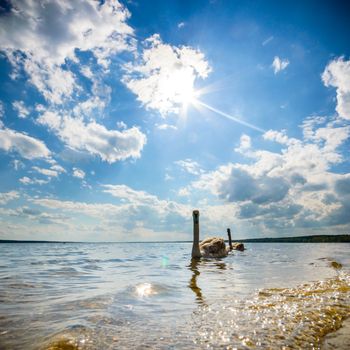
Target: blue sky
<point>117,119</point>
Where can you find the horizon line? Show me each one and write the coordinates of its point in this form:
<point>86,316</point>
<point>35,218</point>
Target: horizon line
<point>185,241</point>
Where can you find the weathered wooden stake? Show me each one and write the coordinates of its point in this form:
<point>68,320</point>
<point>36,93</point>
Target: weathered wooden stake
<point>229,238</point>
<point>196,253</point>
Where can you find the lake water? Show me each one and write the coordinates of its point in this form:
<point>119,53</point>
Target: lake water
<point>150,296</point>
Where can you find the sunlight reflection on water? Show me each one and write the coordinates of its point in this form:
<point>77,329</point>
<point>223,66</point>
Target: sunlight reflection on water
<point>144,290</point>
<point>94,296</point>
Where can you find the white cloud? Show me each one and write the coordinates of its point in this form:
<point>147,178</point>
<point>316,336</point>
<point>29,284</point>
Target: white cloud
<point>279,64</point>
<point>184,192</point>
<point>165,74</point>
<point>337,74</point>
<point>93,104</point>
<point>53,82</point>
<point>144,199</point>
<point>63,29</point>
<point>244,145</point>
<point>190,166</point>
<point>110,145</point>
<point>294,187</point>
<point>96,102</point>
<point>87,72</point>
<point>25,180</point>
<point>121,125</point>
<point>135,209</point>
<point>126,193</point>
<point>168,177</point>
<point>165,126</point>
<point>20,108</point>
<point>6,197</point>
<point>80,174</point>
<point>52,119</point>
<point>309,124</point>
<point>17,164</point>
<point>46,172</point>
<point>137,216</point>
<point>279,136</point>
<point>181,25</point>
<point>58,168</point>
<point>28,147</point>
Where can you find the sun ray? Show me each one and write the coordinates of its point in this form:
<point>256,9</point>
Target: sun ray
<point>228,116</point>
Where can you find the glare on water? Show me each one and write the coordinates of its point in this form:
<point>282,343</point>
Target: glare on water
<point>122,296</point>
<point>144,290</point>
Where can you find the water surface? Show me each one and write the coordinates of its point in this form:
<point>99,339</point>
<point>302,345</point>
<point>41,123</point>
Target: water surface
<point>138,295</point>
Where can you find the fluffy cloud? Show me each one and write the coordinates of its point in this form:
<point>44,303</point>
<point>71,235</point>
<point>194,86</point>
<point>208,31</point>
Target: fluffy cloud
<point>244,144</point>
<point>110,145</point>
<point>20,108</point>
<point>279,64</point>
<point>6,197</point>
<point>40,36</point>
<point>337,74</point>
<point>46,172</point>
<point>190,166</point>
<point>278,136</point>
<point>165,126</point>
<point>294,187</point>
<point>53,82</point>
<point>54,29</point>
<point>28,147</point>
<point>25,180</point>
<point>165,75</point>
<point>80,174</point>
<point>136,210</point>
<point>58,168</point>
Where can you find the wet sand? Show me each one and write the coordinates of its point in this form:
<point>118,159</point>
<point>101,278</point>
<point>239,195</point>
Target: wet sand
<point>340,339</point>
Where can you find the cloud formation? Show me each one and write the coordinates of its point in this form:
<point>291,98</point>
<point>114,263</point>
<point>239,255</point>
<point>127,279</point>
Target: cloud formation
<point>337,74</point>
<point>6,197</point>
<point>47,172</point>
<point>80,174</point>
<point>20,108</point>
<point>294,187</point>
<point>279,64</point>
<point>40,36</point>
<point>190,166</point>
<point>28,147</point>
<point>94,138</point>
<point>25,180</point>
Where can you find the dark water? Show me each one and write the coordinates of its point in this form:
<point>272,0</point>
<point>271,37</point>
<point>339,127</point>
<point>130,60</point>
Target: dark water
<point>139,296</point>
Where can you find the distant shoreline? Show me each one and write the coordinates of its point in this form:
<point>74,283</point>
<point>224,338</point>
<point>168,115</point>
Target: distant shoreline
<point>298,239</point>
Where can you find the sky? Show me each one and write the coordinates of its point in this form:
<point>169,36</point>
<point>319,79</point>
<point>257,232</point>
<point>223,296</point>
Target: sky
<point>118,118</point>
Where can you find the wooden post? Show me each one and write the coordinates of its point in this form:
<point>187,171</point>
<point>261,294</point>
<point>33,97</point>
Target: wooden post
<point>229,238</point>
<point>196,253</point>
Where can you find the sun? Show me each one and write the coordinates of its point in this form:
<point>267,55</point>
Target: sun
<point>178,88</point>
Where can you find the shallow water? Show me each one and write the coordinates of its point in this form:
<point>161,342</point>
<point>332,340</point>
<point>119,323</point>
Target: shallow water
<point>121,296</point>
